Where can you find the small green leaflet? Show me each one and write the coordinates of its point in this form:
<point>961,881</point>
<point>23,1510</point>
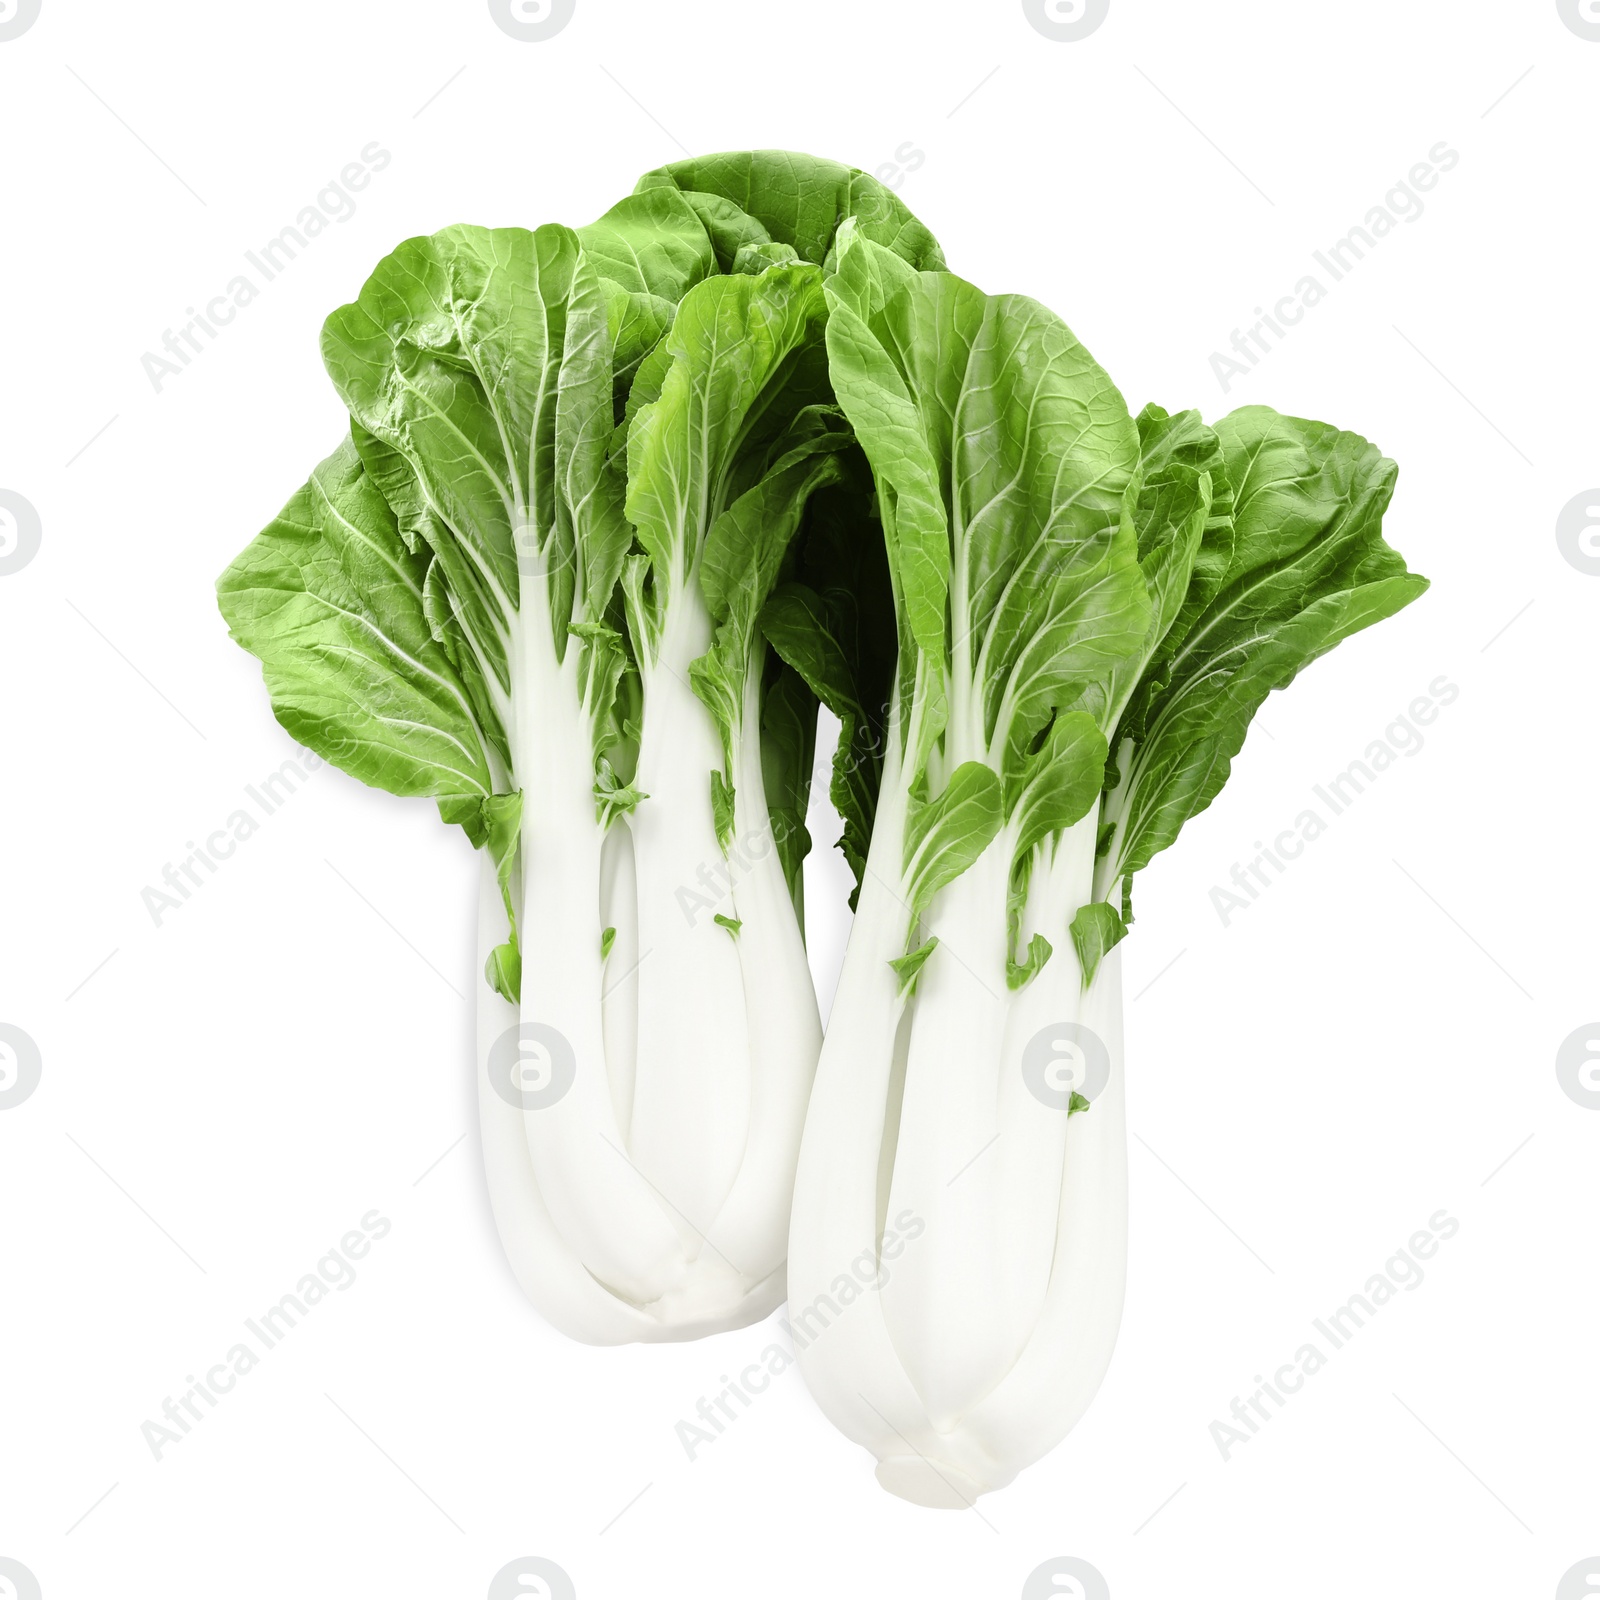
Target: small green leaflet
<point>909,966</point>
<point>722,807</point>
<point>1095,929</point>
<point>1020,973</point>
<point>944,836</point>
<point>732,924</point>
<point>612,798</point>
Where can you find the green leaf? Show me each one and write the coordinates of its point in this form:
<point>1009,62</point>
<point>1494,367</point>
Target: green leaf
<point>945,835</point>
<point>756,257</point>
<point>732,924</point>
<point>728,363</point>
<point>613,798</point>
<point>647,251</point>
<point>652,243</point>
<point>796,200</point>
<point>608,937</point>
<point>1182,516</point>
<point>495,821</point>
<point>477,364</point>
<point>331,601</point>
<point>1096,927</point>
<point>1004,458</point>
<point>722,813</point>
<point>1308,567</point>
<point>1077,1102</point>
<point>1020,973</point>
<point>788,746</point>
<point>744,552</point>
<point>908,966</point>
<point>465,811</point>
<point>503,971</point>
<point>1060,782</point>
<point>834,624</point>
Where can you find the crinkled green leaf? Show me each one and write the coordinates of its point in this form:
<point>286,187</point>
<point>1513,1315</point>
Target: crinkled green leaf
<point>482,359</point>
<point>796,200</point>
<point>331,601</point>
<point>1004,460</point>
<point>725,356</point>
<point>1308,567</point>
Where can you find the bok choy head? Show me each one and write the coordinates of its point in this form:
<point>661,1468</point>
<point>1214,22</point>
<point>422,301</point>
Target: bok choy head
<point>1089,608</point>
<point>530,584</point>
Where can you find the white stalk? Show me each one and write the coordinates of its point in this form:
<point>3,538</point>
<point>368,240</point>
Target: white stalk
<point>600,1203</point>
<point>650,1199</point>
<point>994,1327</point>
<point>550,1272</point>
<point>691,1097</point>
<point>846,1353</point>
<point>783,1025</point>
<point>1069,1349</point>
<point>940,1305</point>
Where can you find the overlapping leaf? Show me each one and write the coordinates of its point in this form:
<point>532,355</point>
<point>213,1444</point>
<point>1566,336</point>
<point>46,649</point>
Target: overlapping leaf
<point>1307,567</point>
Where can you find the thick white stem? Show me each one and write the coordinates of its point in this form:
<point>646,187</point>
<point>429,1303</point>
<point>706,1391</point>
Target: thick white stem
<point>1005,1310</point>
<point>551,1273</point>
<point>598,1200</point>
<point>846,1354</point>
<point>784,1028</point>
<point>1040,1046</point>
<point>941,1306</point>
<point>1070,1346</point>
<point>691,1095</point>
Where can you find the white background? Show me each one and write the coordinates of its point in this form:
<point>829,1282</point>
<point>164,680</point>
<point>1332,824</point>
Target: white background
<point>1373,1040</point>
